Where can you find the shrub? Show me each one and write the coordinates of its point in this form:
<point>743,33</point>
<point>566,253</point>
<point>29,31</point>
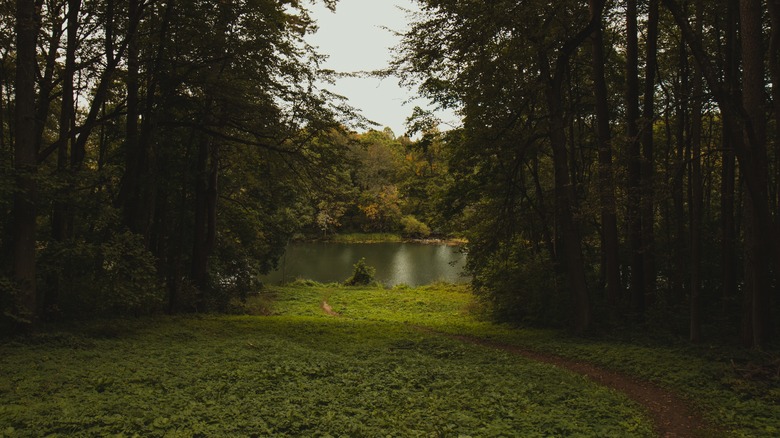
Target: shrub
<point>363,274</point>
<point>411,227</point>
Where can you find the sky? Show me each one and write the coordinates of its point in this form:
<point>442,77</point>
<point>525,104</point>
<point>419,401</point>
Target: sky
<point>355,39</point>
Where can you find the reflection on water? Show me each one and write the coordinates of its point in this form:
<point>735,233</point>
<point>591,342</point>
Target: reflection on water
<point>395,263</point>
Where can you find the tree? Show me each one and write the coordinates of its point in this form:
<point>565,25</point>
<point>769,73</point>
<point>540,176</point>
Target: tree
<point>185,133</point>
<point>25,163</point>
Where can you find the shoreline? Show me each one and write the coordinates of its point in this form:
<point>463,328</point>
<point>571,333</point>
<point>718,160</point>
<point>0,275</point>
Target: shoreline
<point>388,238</point>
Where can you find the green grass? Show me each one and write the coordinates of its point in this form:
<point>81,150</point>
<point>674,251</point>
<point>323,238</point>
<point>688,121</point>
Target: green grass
<point>371,372</point>
<point>366,238</point>
<point>738,391</point>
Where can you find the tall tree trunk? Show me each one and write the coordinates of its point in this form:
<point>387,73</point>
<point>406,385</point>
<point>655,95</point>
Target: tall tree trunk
<point>648,153</point>
<point>25,163</point>
<point>680,246</point>
<point>728,168</point>
<point>634,213</point>
<point>759,248</point>
<point>133,177</point>
<point>610,248</point>
<point>206,192</point>
<point>565,200</point>
<point>696,194</point>
<point>61,219</point>
<point>774,72</point>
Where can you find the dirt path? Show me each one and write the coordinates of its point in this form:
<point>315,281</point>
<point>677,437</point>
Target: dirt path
<point>327,309</point>
<point>672,416</point>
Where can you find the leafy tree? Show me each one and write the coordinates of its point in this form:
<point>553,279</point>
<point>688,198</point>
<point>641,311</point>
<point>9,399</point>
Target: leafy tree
<point>563,160</point>
<point>187,133</point>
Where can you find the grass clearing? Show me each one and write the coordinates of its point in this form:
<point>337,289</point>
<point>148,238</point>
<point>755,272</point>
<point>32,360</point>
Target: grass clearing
<point>299,372</point>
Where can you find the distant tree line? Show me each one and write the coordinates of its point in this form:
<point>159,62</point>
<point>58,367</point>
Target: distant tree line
<point>619,162</point>
<point>155,154</point>
<point>388,184</point>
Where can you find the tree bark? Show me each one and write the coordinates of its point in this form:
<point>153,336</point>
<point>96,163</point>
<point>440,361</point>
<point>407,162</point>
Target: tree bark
<point>759,250</point>
<point>728,169</point>
<point>634,213</point>
<point>774,73</point>
<point>205,215</point>
<point>25,163</point>
<point>62,214</point>
<point>610,248</point>
<point>132,184</point>
<point>648,153</point>
<point>565,199</point>
<point>696,194</point>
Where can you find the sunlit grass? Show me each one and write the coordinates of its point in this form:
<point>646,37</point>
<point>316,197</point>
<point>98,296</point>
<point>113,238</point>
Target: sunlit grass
<point>293,370</point>
<point>296,373</point>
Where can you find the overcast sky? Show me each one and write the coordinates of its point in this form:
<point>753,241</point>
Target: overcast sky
<point>354,38</point>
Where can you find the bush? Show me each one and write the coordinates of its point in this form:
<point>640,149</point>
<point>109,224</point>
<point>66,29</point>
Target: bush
<point>117,276</point>
<point>363,274</point>
<point>411,227</point>
<point>520,286</point>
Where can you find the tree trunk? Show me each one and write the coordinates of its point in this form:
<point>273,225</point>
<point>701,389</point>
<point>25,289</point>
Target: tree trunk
<point>205,211</point>
<point>759,248</point>
<point>133,177</point>
<point>648,153</point>
<point>565,200</point>
<point>61,219</point>
<point>696,194</point>
<point>610,247</point>
<point>679,269</point>
<point>634,162</point>
<point>774,72</point>
<point>728,169</point>
<point>25,163</point>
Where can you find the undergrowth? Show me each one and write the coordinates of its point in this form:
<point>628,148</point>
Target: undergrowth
<point>292,370</point>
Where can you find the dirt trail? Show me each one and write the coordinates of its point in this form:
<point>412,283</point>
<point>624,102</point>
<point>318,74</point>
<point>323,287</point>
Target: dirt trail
<point>327,309</point>
<point>673,417</point>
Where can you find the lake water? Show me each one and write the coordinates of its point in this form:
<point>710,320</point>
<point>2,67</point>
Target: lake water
<point>413,264</point>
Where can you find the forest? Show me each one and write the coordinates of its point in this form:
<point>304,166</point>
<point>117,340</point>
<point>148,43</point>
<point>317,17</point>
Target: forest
<point>617,165</point>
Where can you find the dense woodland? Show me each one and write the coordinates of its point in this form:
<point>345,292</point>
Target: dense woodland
<point>628,147</point>
<point>618,163</point>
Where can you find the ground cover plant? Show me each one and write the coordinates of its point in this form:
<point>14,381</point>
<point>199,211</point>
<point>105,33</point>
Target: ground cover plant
<point>299,372</point>
<point>383,366</point>
<point>737,390</point>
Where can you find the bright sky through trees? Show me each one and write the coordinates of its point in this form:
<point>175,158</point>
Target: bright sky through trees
<point>358,37</point>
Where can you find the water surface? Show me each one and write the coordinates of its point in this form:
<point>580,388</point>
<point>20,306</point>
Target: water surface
<point>396,263</point>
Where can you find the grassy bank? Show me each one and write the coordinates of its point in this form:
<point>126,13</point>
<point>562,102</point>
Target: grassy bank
<point>371,372</point>
<point>365,238</point>
<point>388,238</point>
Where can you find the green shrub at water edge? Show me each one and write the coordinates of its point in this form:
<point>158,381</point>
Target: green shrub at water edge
<point>412,227</point>
<point>362,275</point>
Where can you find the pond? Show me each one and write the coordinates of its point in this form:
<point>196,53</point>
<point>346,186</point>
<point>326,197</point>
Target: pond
<point>413,264</point>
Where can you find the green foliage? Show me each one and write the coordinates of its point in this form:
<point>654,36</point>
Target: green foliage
<point>366,238</point>
<point>411,227</point>
<point>521,286</point>
<point>116,277</point>
<point>11,315</point>
<point>366,373</point>
<point>129,275</point>
<point>292,375</point>
<point>362,274</point>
